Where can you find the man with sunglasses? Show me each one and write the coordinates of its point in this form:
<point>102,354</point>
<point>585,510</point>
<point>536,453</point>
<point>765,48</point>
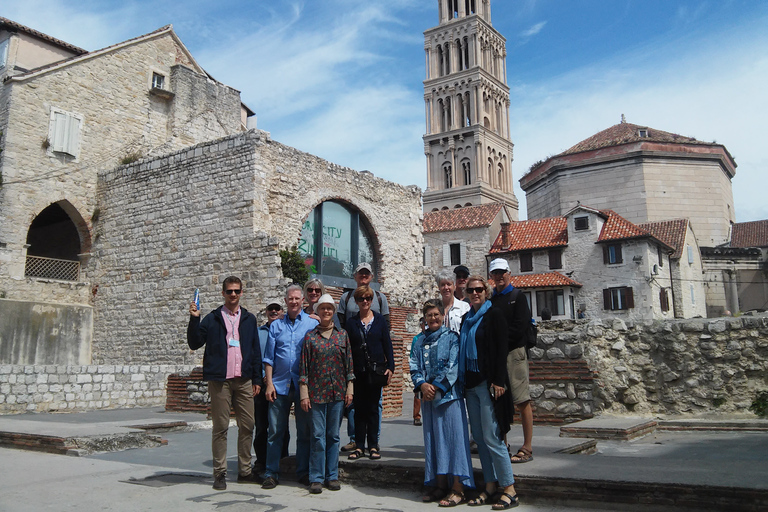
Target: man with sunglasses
<point>518,315</point>
<point>232,367</point>
<point>274,312</point>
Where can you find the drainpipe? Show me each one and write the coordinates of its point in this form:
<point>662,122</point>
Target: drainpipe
<point>672,288</point>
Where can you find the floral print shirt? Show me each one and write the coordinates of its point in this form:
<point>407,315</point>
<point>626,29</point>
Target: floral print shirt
<point>326,366</point>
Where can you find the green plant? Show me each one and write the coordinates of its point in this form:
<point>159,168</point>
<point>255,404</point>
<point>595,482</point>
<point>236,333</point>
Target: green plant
<point>718,401</point>
<point>293,266</point>
<point>130,158</point>
<point>760,404</point>
<point>96,214</point>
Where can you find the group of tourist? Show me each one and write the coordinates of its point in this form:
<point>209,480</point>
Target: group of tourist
<point>328,360</point>
<point>467,368</point>
<point>321,359</point>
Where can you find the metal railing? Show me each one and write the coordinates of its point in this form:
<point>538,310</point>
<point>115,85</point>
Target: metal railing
<point>50,268</point>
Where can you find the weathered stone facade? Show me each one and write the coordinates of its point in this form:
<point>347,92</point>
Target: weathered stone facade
<point>474,246</point>
<point>123,110</point>
<point>663,367</point>
<point>188,219</point>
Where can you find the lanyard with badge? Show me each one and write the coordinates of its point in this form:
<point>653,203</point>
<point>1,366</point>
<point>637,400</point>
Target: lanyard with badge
<point>232,341</point>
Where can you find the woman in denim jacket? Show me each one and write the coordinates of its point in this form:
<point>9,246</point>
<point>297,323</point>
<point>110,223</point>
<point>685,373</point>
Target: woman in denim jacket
<point>434,371</point>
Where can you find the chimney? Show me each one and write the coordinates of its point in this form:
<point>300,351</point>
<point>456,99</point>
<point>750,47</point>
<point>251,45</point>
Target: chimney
<point>506,236</point>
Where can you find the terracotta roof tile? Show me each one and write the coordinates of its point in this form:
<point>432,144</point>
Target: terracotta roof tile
<point>45,37</point>
<point>547,279</point>
<point>671,232</point>
<point>461,218</point>
<point>617,227</point>
<point>624,133</point>
<point>534,234</point>
<point>750,234</point>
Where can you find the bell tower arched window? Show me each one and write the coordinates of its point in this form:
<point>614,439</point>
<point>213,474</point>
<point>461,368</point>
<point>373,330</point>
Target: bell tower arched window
<point>448,174</point>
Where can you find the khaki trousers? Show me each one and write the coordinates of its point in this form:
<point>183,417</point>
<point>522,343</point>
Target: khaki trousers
<point>234,393</point>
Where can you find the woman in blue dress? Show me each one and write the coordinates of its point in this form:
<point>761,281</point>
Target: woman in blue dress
<point>434,371</point>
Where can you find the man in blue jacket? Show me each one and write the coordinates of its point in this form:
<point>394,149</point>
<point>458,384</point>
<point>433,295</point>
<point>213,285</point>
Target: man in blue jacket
<point>232,367</point>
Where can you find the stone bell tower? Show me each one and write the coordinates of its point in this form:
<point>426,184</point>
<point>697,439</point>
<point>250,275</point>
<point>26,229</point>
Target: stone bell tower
<point>467,141</point>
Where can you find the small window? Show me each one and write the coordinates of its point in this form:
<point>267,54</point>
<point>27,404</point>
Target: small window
<point>552,300</point>
<point>617,299</point>
<point>4,53</point>
<point>555,259</point>
<point>612,254</point>
<point>526,262</point>
<point>581,223</point>
<point>690,255</point>
<point>64,132</point>
<point>455,254</point>
<point>158,81</point>
<point>642,134</point>
<point>693,295</point>
<point>660,255</point>
<point>664,300</point>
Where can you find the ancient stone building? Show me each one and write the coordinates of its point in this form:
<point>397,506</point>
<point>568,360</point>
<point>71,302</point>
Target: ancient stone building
<point>66,114</point>
<point>644,175</point>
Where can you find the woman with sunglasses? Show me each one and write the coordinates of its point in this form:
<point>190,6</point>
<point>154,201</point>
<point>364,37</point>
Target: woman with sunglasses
<point>313,290</point>
<point>483,371</point>
<point>374,364</point>
<point>434,371</point>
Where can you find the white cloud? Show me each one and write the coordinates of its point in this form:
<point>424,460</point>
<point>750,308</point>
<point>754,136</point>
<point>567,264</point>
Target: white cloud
<point>533,30</point>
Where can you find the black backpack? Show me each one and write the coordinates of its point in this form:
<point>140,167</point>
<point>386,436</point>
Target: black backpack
<point>532,333</point>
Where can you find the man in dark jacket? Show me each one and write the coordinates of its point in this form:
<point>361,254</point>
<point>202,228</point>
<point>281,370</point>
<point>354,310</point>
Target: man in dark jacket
<point>518,316</point>
<point>232,367</point>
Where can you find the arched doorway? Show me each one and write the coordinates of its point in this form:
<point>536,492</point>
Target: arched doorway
<point>53,246</point>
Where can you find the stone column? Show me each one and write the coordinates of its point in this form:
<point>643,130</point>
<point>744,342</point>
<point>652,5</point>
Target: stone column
<point>427,115</point>
<point>462,10</point>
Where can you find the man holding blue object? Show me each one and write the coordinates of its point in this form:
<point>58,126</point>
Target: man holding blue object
<point>281,370</point>
<point>232,367</point>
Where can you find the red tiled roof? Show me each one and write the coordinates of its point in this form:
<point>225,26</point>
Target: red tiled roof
<point>617,227</point>
<point>750,234</point>
<point>534,234</point>
<point>467,217</point>
<point>671,232</point>
<point>18,27</point>
<point>547,279</point>
<point>624,133</point>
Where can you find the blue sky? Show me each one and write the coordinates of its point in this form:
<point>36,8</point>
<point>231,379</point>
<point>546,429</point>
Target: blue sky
<point>343,78</point>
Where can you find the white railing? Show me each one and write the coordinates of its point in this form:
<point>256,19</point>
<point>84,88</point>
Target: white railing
<point>50,268</point>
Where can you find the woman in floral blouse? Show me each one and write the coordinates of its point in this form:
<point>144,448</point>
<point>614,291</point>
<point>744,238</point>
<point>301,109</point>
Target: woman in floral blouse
<point>325,387</point>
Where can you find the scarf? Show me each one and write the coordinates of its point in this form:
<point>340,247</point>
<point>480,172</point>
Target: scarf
<point>467,344</point>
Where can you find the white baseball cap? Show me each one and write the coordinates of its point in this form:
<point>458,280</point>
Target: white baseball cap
<point>499,264</point>
<point>325,299</point>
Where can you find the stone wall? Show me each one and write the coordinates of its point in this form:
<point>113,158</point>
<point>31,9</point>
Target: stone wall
<point>476,242</point>
<point>663,367</point>
<point>44,334</point>
<point>81,388</point>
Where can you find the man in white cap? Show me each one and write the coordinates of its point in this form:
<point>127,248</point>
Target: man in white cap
<point>518,314</point>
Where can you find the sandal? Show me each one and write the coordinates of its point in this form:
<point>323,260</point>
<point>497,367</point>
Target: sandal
<point>453,499</point>
<point>504,505</point>
<point>523,455</point>
<point>355,454</point>
<point>436,494</point>
<point>374,454</point>
<point>482,498</point>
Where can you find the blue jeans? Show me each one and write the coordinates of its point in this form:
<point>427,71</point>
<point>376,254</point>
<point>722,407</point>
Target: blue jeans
<point>494,457</point>
<point>279,410</point>
<point>324,455</point>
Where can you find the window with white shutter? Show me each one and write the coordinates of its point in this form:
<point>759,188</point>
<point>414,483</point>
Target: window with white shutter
<point>64,132</point>
<point>427,256</point>
<point>446,255</point>
<point>463,253</point>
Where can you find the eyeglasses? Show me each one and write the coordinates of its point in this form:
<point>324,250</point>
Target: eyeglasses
<point>458,276</point>
<point>236,292</point>
<point>434,315</point>
<point>361,299</point>
<point>479,289</point>
<point>314,290</point>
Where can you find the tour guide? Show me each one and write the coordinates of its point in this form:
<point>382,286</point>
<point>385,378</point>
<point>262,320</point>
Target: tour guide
<point>232,367</point>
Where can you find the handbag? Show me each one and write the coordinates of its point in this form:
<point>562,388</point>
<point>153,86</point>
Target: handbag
<point>375,373</point>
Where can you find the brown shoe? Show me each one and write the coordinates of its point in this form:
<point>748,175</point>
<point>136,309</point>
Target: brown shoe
<point>349,447</point>
<point>315,488</point>
<point>334,485</point>
<point>220,482</point>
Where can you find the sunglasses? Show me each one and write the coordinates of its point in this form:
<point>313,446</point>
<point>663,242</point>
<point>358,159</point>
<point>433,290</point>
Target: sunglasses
<point>273,309</point>
<point>314,290</point>
<point>479,289</point>
<point>362,299</point>
<point>230,292</point>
